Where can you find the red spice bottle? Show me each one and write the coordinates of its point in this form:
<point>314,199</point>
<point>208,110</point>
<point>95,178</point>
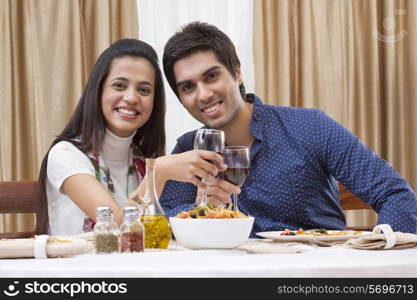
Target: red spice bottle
<point>131,231</point>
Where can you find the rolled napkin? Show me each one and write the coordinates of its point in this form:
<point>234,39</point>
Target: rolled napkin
<point>44,246</point>
<point>382,238</point>
<point>266,246</point>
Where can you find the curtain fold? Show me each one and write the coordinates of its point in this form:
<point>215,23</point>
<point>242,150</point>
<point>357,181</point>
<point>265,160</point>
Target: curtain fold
<point>354,59</point>
<point>48,48</point>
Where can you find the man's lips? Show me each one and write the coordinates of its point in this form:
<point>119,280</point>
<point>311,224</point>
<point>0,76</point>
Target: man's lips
<point>213,106</point>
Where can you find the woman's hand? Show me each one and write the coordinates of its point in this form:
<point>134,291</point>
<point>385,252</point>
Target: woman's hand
<point>219,192</point>
<point>191,166</point>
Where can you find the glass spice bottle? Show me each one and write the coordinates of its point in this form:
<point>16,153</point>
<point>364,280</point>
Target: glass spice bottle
<point>157,229</point>
<point>106,231</point>
<point>131,231</point>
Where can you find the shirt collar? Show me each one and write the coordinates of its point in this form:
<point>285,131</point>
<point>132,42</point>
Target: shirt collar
<point>256,125</point>
<point>262,122</point>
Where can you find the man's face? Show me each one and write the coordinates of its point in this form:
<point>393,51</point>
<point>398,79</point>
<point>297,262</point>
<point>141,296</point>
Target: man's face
<point>207,90</point>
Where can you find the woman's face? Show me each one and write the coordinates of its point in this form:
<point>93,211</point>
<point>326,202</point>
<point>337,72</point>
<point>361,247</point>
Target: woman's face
<point>128,93</point>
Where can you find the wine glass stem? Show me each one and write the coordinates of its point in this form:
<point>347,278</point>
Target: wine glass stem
<point>204,198</point>
<point>234,196</point>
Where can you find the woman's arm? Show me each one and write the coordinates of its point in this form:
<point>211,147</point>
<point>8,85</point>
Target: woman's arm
<point>188,166</point>
<point>87,193</point>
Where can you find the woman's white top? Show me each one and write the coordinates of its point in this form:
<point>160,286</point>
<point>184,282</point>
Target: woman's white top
<point>66,160</point>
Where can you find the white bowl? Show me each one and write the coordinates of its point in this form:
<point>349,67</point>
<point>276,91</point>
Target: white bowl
<point>211,233</point>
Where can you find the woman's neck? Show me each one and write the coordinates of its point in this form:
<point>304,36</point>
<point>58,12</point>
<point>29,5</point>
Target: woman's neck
<point>116,148</point>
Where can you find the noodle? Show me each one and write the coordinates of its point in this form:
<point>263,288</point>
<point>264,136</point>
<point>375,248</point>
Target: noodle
<point>209,212</point>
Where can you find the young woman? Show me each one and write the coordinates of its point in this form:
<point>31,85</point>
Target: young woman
<point>98,159</point>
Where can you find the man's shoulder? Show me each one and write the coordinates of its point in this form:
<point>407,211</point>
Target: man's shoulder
<point>187,137</point>
<point>185,142</point>
<point>293,114</point>
<point>291,109</point>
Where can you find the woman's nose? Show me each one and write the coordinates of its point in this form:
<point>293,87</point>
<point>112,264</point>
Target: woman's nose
<point>131,96</point>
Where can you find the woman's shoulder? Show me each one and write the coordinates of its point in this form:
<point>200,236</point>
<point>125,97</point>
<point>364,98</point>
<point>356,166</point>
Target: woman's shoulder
<point>67,153</point>
<point>64,146</point>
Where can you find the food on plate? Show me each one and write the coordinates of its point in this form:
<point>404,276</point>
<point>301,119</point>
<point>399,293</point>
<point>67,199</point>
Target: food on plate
<point>210,212</point>
<point>318,232</point>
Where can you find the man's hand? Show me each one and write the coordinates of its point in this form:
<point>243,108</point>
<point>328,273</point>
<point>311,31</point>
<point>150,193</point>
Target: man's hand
<point>219,192</point>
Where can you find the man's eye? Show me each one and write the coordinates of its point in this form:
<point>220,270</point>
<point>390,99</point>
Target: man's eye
<point>212,75</point>
<point>186,88</point>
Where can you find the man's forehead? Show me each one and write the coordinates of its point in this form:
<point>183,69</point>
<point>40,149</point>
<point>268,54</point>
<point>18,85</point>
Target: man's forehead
<point>195,64</point>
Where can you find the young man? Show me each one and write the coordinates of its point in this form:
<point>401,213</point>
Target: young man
<point>297,154</point>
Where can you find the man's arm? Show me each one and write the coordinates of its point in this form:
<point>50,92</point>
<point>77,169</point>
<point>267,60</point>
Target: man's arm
<point>367,175</point>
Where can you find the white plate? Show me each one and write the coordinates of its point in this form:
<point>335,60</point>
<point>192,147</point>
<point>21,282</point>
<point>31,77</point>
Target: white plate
<point>276,235</point>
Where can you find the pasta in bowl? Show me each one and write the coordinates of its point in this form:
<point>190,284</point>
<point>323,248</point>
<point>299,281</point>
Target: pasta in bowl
<point>211,228</point>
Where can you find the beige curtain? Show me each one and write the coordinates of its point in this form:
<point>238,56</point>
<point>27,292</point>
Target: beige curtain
<point>47,50</point>
<point>354,59</point>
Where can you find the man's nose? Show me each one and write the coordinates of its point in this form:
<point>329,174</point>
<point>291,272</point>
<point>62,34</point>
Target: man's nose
<point>204,92</point>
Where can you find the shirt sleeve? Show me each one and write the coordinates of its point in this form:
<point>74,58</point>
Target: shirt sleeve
<point>65,160</point>
<point>178,196</point>
<point>366,174</point>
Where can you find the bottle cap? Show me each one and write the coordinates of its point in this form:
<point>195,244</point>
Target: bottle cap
<point>104,211</point>
<point>131,211</point>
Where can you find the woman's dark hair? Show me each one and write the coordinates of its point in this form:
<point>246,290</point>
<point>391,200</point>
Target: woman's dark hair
<point>198,36</point>
<point>87,125</point>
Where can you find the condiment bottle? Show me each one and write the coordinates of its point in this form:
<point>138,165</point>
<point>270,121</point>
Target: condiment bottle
<point>131,231</point>
<point>157,229</point>
<point>106,231</point>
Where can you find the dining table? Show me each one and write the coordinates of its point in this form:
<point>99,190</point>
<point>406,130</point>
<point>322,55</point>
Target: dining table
<point>291,260</point>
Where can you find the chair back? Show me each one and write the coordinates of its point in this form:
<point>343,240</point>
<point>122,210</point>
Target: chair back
<point>349,201</point>
<point>22,197</point>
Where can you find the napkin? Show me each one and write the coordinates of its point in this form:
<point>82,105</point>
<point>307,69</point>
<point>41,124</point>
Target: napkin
<point>44,246</point>
<point>265,246</point>
<point>382,238</point>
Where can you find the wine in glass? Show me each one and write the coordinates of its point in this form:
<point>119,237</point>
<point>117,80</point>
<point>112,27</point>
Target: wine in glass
<point>211,140</point>
<point>237,160</point>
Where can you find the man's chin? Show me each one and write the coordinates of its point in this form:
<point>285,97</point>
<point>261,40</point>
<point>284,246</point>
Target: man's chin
<point>217,124</point>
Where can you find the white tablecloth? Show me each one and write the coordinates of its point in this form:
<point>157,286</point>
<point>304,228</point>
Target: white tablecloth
<point>315,262</point>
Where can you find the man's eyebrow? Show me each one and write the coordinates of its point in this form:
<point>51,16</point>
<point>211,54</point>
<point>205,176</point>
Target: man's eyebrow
<point>211,69</point>
<point>182,83</point>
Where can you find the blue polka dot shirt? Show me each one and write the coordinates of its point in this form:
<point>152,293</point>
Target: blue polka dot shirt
<point>297,157</point>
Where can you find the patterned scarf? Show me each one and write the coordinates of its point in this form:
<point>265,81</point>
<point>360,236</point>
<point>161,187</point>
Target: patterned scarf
<point>136,171</point>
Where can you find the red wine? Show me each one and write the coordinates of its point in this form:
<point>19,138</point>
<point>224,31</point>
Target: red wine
<point>235,176</point>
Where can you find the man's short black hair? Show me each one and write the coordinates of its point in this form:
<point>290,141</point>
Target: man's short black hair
<point>198,36</point>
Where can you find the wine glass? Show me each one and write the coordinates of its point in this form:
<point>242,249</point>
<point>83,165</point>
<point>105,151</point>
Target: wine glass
<point>237,160</point>
<point>211,140</point>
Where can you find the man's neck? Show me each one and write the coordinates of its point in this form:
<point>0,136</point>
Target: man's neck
<point>237,131</point>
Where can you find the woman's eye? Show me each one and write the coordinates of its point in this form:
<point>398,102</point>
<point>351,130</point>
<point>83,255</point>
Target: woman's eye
<point>118,85</point>
<point>144,91</point>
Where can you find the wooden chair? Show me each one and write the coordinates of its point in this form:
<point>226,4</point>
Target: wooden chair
<point>22,197</point>
<point>349,201</point>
